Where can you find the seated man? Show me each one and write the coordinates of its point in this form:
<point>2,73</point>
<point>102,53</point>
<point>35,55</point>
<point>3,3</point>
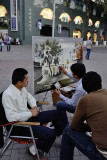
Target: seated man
<point>15,99</point>
<point>69,104</point>
<point>92,108</point>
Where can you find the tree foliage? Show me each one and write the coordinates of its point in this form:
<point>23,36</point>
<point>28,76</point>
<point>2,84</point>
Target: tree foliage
<point>52,50</point>
<point>55,47</point>
<point>103,5</point>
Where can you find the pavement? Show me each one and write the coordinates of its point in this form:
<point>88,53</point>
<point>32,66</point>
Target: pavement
<point>21,56</point>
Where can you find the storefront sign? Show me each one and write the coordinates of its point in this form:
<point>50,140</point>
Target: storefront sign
<point>30,19</point>
<point>14,21</point>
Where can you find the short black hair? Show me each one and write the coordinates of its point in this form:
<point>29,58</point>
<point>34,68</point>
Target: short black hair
<point>18,75</point>
<point>91,81</point>
<point>78,69</point>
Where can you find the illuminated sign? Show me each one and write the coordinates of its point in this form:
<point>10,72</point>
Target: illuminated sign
<point>64,17</point>
<point>47,13</point>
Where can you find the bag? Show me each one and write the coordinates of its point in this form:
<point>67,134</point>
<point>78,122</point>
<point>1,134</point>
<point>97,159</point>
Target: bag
<point>55,98</point>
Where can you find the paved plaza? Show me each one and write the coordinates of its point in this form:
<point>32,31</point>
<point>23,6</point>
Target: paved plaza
<point>21,56</point>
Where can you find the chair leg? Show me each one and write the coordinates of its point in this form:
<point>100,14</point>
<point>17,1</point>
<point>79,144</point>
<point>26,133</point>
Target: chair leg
<point>34,143</point>
<point>7,143</point>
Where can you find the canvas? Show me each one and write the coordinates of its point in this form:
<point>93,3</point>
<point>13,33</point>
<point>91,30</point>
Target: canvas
<point>50,53</point>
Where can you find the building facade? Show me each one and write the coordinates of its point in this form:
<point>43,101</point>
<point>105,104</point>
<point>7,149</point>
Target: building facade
<point>35,18</point>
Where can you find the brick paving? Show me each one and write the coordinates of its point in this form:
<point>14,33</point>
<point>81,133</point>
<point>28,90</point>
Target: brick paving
<point>21,56</point>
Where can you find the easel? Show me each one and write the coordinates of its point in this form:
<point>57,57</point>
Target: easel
<point>40,104</point>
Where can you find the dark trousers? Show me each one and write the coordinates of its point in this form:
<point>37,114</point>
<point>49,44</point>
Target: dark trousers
<point>63,107</point>
<point>46,135</point>
<point>8,46</point>
<point>88,53</point>
<point>84,143</point>
<point>0,46</point>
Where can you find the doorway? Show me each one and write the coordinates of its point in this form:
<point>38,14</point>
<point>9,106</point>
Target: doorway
<point>88,34</point>
<point>77,34</point>
<point>95,37</point>
<point>65,32</point>
<point>46,31</point>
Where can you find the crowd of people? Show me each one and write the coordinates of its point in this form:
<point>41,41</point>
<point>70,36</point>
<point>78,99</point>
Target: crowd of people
<point>6,40</point>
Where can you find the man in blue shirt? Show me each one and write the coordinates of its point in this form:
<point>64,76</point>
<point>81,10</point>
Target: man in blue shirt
<point>69,104</point>
<point>8,41</point>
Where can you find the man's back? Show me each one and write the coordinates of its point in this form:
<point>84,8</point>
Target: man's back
<point>89,44</point>
<point>94,109</point>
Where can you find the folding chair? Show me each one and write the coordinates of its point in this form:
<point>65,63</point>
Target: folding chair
<point>6,129</point>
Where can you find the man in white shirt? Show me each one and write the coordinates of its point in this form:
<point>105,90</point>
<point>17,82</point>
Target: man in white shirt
<point>15,99</point>
<point>89,47</point>
<point>69,104</point>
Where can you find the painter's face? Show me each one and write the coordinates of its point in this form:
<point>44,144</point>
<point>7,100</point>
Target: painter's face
<point>25,81</point>
<point>74,76</point>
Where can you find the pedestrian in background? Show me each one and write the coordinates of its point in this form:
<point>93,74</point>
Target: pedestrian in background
<point>89,47</point>
<point>8,41</point>
<point>1,43</point>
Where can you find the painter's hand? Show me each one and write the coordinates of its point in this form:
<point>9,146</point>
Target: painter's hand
<point>62,69</point>
<point>34,111</point>
<point>58,91</point>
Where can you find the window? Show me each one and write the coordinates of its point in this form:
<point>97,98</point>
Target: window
<point>64,17</point>
<point>90,22</point>
<point>88,34</point>
<point>47,13</point>
<point>3,11</point>
<point>78,20</point>
<point>97,24</point>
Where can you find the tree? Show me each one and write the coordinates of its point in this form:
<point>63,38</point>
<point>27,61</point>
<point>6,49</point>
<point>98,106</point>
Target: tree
<point>103,5</point>
<point>87,3</point>
<point>49,52</point>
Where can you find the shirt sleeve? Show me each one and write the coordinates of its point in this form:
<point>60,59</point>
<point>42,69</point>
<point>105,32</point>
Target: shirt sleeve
<point>31,100</point>
<point>70,76</point>
<point>79,117</point>
<point>74,99</point>
<point>11,112</point>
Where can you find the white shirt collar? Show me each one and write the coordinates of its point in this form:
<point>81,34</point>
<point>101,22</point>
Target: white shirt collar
<point>16,90</point>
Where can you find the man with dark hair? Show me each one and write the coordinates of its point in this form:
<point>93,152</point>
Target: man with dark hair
<point>15,99</point>
<point>90,115</point>
<point>69,104</point>
<point>89,47</point>
<point>8,41</point>
<point>18,75</point>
